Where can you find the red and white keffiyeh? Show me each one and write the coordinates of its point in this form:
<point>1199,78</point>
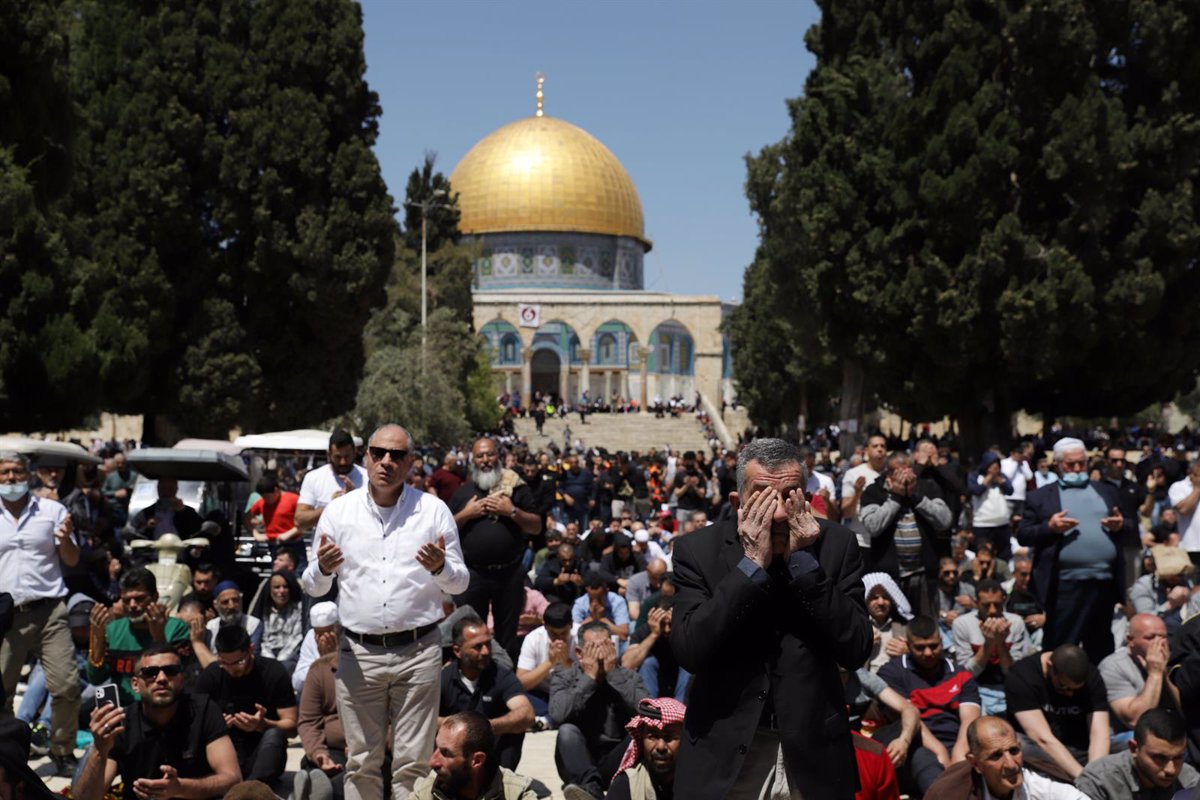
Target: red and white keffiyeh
<point>661,712</point>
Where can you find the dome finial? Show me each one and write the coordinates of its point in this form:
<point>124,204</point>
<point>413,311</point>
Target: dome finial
<point>541,79</point>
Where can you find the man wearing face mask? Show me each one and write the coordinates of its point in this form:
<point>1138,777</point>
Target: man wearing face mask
<point>1075,528</point>
<point>36,540</point>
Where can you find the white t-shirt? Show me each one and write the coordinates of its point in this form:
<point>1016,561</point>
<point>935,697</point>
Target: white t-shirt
<point>535,651</point>
<point>1189,524</point>
<point>851,476</point>
<point>1019,474</point>
<point>818,481</point>
<point>320,485</point>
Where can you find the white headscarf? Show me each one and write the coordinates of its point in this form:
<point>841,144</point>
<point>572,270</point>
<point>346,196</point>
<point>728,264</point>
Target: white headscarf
<point>873,579</point>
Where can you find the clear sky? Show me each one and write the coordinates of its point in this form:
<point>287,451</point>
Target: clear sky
<point>679,91</point>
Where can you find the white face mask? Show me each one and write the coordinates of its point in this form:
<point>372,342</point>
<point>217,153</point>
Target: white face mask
<point>12,492</point>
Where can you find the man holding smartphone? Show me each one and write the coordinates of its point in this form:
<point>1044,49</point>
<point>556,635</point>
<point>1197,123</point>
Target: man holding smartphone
<point>170,744</point>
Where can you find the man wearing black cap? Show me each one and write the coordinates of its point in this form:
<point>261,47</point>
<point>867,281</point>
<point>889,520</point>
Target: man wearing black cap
<point>495,515</point>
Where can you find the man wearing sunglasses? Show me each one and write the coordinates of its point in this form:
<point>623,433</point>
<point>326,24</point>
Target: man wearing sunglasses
<point>395,551</point>
<point>170,744</point>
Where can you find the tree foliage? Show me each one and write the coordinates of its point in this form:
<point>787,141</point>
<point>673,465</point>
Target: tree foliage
<point>46,359</point>
<point>988,206</point>
<point>426,186</point>
<point>230,230</point>
<point>436,383</point>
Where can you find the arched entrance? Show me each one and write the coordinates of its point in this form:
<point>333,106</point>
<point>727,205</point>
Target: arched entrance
<point>544,371</point>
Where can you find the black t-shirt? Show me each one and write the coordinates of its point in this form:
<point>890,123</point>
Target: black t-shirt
<point>490,540</point>
<point>691,499</point>
<point>141,748</point>
<point>495,687</point>
<point>268,684</point>
<point>1028,689</point>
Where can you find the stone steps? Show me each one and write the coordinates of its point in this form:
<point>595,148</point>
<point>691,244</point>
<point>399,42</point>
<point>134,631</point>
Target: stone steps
<point>615,432</point>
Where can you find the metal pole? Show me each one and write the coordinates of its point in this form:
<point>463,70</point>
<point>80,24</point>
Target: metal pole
<point>424,293</point>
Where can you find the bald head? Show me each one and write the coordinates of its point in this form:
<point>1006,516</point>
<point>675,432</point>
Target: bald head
<point>1146,632</point>
<point>1146,623</point>
<point>985,729</point>
<point>389,431</point>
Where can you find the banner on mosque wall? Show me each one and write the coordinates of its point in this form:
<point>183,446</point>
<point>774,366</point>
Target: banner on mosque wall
<point>530,315</point>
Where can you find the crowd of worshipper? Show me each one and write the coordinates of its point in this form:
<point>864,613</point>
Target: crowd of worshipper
<point>1032,613</point>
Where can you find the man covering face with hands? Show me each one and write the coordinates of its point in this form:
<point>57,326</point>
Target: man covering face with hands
<point>768,605</point>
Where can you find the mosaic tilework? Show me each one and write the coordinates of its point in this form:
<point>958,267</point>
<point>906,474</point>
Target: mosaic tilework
<point>550,260</point>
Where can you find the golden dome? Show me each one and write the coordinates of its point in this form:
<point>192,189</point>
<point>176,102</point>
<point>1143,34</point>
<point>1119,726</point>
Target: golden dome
<point>543,174</point>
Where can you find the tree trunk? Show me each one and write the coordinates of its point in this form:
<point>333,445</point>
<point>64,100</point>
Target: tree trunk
<point>853,378</point>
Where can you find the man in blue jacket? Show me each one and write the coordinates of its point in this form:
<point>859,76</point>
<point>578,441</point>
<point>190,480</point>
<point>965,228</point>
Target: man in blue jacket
<point>1075,527</point>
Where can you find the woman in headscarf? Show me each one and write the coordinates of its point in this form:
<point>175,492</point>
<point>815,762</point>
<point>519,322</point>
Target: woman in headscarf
<point>281,609</point>
<point>889,610</point>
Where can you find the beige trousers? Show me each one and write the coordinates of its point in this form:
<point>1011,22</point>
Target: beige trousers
<point>395,689</point>
<point>43,632</point>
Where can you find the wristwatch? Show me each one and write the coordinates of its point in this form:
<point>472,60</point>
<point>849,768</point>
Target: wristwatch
<point>514,513</point>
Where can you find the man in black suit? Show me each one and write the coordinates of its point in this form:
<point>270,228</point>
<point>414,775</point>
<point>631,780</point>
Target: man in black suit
<point>1076,527</point>
<point>767,608</point>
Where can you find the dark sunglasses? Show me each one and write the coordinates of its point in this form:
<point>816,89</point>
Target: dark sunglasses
<point>377,454</point>
<point>170,670</point>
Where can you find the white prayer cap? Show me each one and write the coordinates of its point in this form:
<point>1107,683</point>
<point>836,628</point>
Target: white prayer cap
<point>1066,444</point>
<point>322,615</point>
<point>641,536</point>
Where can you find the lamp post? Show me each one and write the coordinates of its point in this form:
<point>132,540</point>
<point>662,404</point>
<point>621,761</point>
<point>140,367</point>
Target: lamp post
<point>425,205</point>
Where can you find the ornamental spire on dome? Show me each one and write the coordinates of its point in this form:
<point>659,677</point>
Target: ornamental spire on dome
<point>541,79</point>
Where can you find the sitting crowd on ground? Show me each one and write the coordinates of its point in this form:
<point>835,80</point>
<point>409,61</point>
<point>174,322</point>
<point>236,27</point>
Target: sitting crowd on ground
<point>1031,613</point>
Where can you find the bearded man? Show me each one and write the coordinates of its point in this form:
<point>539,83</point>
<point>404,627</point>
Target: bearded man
<point>496,513</point>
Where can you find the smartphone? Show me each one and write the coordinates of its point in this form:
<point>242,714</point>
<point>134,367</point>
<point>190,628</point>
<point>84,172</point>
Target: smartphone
<point>107,695</point>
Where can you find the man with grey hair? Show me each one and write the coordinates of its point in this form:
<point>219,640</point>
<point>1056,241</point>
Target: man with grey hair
<point>906,518</point>
<point>496,514</point>
<point>394,550</point>
<point>1075,528</point>
<point>768,605</point>
<point>36,540</point>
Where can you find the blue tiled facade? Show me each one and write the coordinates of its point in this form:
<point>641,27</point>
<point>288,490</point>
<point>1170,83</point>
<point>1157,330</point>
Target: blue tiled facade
<point>554,260</point>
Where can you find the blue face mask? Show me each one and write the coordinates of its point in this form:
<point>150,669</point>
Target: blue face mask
<point>12,492</point>
<point>1073,480</point>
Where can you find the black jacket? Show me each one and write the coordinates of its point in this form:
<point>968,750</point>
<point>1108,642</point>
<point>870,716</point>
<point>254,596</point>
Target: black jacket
<point>746,645</point>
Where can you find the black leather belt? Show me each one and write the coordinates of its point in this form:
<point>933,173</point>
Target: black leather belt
<point>495,567</point>
<point>25,608</point>
<point>398,639</point>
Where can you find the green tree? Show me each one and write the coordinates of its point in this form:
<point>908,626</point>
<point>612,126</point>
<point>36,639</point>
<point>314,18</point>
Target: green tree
<point>237,231</point>
<point>436,382</point>
<point>430,188</point>
<point>47,363</point>
<point>1010,221</point>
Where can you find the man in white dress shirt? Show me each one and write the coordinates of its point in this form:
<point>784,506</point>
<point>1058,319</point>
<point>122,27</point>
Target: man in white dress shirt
<point>394,550</point>
<point>35,541</point>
